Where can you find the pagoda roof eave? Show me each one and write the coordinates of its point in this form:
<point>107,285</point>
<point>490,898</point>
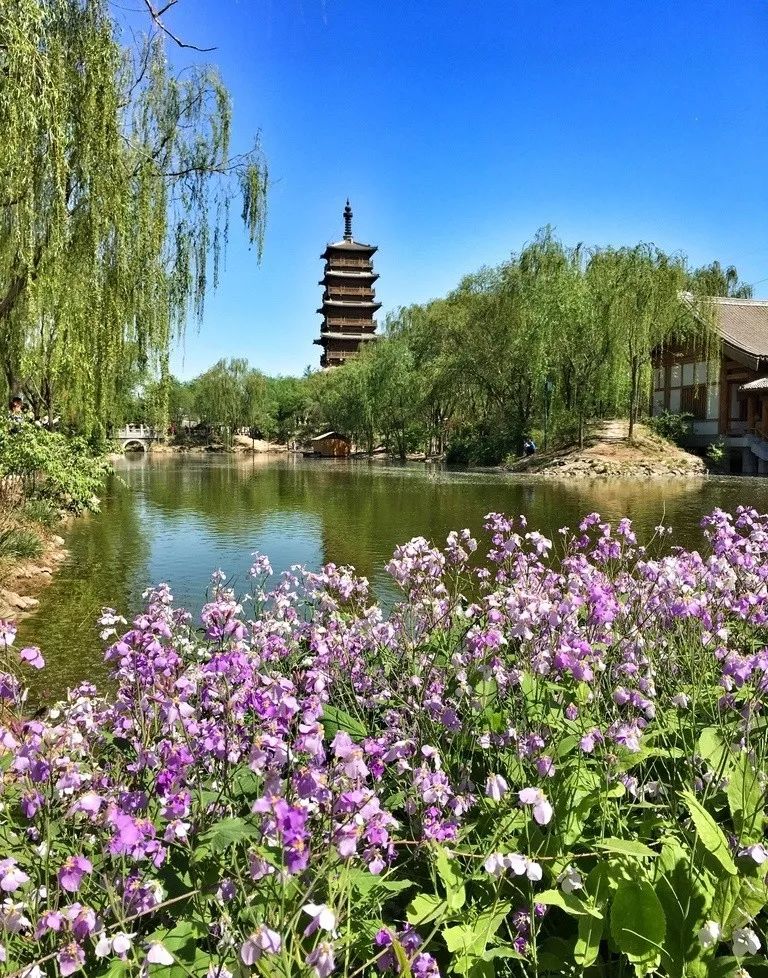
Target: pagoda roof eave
<point>351,304</point>
<point>345,336</point>
<point>347,246</point>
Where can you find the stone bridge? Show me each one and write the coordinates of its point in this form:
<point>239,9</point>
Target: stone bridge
<point>135,437</point>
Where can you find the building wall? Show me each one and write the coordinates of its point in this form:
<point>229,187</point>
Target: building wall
<point>683,382</point>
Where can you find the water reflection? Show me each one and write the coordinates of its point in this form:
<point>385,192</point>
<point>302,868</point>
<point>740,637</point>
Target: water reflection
<point>177,519</point>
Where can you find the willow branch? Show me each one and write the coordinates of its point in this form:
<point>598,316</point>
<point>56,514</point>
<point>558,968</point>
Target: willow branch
<point>156,16</point>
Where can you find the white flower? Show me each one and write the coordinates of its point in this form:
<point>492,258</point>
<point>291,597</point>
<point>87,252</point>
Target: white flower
<point>122,942</point>
<point>103,946</point>
<point>496,786</point>
<point>322,917</point>
<point>757,852</point>
<point>680,700</point>
<point>745,941</point>
<point>159,954</point>
<point>709,934</point>
<point>570,880</point>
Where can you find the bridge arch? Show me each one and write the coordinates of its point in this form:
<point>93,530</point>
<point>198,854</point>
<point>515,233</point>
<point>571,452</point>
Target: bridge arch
<point>134,445</point>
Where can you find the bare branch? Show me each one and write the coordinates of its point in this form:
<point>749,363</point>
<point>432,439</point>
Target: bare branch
<point>156,20</point>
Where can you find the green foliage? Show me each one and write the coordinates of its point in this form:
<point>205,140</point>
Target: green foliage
<point>716,452</point>
<point>675,427</point>
<point>46,465</point>
<point>115,185</point>
<point>41,511</point>
<point>554,337</point>
<point>19,543</point>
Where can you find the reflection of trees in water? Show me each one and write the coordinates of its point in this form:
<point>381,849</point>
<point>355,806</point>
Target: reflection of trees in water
<point>107,554</point>
<point>364,511</point>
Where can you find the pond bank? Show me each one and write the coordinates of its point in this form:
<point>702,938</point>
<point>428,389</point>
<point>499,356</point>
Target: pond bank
<point>20,583</point>
<point>608,454</point>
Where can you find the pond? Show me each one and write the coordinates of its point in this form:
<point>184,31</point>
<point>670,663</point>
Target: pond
<point>177,519</point>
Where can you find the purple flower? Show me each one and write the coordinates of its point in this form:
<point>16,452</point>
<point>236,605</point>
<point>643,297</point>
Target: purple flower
<point>322,959</point>
<point>33,657</point>
<point>72,872</point>
<point>262,941</point>
<point>542,810</point>
<point>70,958</point>
<point>11,877</point>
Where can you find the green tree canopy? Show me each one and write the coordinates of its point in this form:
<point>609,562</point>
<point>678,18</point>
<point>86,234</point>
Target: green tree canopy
<point>116,181</point>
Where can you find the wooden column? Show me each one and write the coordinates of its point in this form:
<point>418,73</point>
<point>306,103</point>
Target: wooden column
<point>751,413</point>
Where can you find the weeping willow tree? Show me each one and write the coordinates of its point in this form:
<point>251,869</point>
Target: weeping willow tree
<point>116,182</point>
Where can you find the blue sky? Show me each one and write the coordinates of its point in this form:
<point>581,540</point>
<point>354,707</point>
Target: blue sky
<point>457,128</point>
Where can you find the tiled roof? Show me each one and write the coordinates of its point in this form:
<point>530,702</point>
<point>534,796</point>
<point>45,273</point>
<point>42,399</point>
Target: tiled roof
<point>743,324</point>
<point>761,384</point>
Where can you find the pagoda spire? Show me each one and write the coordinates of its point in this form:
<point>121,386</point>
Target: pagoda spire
<point>347,222</point>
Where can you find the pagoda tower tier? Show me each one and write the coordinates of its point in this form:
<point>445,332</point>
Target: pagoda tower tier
<point>349,299</point>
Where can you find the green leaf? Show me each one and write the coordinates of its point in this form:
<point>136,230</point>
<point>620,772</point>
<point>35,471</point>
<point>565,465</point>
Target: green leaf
<point>713,748</point>
<point>737,899</point>
<point>568,902</point>
<point>626,847</point>
<point>366,883</point>
<point>467,942</point>
<point>709,833</point>
<point>685,895</point>
<point>222,835</point>
<point>449,871</point>
<point>588,941</point>
<point>426,907</point>
<point>638,925</point>
<point>335,719</point>
<point>745,799</point>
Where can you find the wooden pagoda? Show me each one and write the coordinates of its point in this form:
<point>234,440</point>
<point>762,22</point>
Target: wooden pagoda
<point>349,299</point>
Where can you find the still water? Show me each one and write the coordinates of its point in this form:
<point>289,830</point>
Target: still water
<point>178,519</point>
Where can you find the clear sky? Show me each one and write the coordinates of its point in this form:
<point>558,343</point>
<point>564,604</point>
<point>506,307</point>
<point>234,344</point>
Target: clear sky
<point>459,127</point>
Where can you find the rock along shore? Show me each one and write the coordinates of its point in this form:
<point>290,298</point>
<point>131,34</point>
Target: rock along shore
<point>607,454</point>
<point>25,579</point>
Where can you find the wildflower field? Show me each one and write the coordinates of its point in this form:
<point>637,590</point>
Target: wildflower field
<point>550,761</point>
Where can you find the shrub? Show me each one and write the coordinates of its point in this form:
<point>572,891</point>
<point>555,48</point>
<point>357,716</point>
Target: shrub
<point>675,427</point>
<point>565,774</point>
<point>51,466</point>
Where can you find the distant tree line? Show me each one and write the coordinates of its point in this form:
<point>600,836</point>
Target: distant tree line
<point>554,336</point>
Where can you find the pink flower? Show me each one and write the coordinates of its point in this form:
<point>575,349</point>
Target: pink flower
<point>542,810</point>
<point>72,872</point>
<point>32,656</point>
<point>322,960</point>
<point>496,786</point>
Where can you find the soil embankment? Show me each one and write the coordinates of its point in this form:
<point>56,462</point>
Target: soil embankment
<point>607,453</point>
<point>26,578</point>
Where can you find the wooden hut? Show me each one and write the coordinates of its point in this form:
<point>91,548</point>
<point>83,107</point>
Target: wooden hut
<point>330,444</point>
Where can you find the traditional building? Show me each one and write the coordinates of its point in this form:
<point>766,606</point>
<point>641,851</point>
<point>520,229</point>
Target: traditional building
<point>727,395</point>
<point>349,299</point>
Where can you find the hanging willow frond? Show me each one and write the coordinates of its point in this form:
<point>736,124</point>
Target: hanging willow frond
<point>116,181</point>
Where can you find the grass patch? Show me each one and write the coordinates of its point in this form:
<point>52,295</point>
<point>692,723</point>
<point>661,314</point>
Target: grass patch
<point>19,543</point>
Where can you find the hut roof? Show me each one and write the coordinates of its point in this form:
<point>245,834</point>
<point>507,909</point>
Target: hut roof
<point>329,434</point>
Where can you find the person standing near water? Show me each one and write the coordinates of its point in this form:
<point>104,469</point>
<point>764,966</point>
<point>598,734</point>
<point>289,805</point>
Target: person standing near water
<point>529,446</point>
